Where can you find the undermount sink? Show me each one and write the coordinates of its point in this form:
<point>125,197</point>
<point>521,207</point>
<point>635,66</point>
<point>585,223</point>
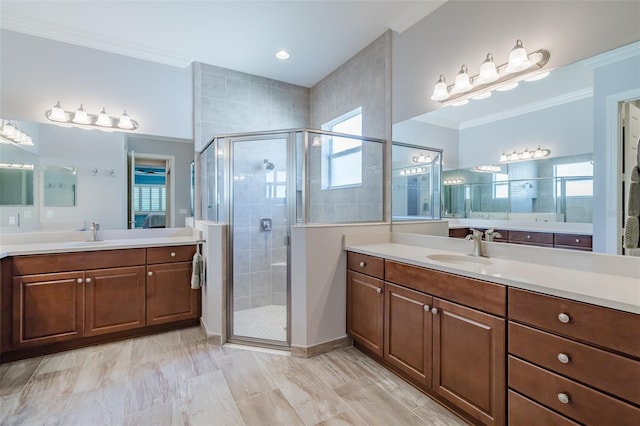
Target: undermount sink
<point>459,259</point>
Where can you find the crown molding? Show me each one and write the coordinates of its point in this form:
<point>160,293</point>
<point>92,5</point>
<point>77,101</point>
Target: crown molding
<point>71,35</point>
<point>437,121</point>
<point>525,109</point>
<point>406,20</point>
<point>615,55</point>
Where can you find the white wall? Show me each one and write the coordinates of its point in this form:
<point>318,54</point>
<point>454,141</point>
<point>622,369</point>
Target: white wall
<point>35,73</point>
<point>425,134</point>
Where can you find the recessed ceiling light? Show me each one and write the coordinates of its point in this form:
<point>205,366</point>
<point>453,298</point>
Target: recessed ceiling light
<point>282,54</point>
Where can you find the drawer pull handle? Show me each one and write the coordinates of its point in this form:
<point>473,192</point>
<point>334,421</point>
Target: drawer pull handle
<point>563,358</point>
<point>79,280</point>
<point>427,308</point>
<point>563,397</point>
<point>434,311</point>
<point>173,254</point>
<point>577,240</point>
<point>564,318</point>
<point>150,273</point>
<point>363,264</point>
<point>378,290</point>
<point>88,280</point>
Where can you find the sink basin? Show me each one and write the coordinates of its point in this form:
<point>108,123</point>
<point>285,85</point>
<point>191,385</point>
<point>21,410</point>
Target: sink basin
<point>459,259</point>
<point>84,243</point>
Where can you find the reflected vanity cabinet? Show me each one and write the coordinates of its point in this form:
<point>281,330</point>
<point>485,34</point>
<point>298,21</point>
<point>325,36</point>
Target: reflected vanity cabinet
<point>540,239</point>
<point>571,362</point>
<point>58,301</point>
<point>442,332</point>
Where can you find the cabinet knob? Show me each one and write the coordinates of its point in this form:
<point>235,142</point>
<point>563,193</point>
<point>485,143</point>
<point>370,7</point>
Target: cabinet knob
<point>434,311</point>
<point>173,254</point>
<point>427,308</point>
<point>564,318</point>
<point>378,290</point>
<point>88,280</point>
<point>563,358</point>
<point>528,237</point>
<point>563,397</point>
<point>79,280</point>
<point>577,240</point>
<point>150,273</point>
<point>363,264</point>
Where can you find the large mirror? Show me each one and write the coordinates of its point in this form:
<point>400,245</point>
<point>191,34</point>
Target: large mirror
<point>59,186</point>
<point>555,114</point>
<point>16,175</point>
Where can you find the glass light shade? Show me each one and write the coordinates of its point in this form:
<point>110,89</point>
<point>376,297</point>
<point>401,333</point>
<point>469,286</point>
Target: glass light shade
<point>440,90</point>
<point>488,71</point>
<point>81,116</point>
<point>57,113</point>
<point>282,54</point>
<point>463,82</point>
<point>525,155</point>
<point>104,119</point>
<point>518,59</point>
<point>8,130</point>
<point>125,121</point>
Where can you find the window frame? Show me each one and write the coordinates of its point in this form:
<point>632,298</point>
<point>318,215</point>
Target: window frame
<point>331,156</point>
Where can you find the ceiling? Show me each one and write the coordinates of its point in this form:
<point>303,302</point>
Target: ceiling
<point>239,35</point>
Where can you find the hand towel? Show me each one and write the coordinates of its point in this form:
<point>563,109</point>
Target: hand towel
<point>635,174</point>
<point>631,233</point>
<point>196,270</point>
<point>634,199</point>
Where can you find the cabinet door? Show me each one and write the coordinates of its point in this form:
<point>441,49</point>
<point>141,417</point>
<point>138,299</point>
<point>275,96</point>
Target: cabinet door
<point>169,293</point>
<point>365,311</point>
<point>468,360</point>
<point>407,332</point>
<point>114,300</point>
<point>47,308</point>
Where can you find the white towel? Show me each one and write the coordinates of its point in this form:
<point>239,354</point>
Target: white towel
<point>631,233</point>
<point>635,174</point>
<point>196,271</point>
<point>634,199</point>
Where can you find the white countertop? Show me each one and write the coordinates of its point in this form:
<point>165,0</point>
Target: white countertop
<point>592,282</point>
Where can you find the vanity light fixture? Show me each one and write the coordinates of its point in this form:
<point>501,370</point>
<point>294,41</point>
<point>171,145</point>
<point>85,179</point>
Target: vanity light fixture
<point>83,119</point>
<point>410,171</point>
<point>455,181</point>
<point>13,134</point>
<point>520,66</point>
<point>16,166</point>
<point>525,155</point>
<point>421,158</point>
<point>488,169</point>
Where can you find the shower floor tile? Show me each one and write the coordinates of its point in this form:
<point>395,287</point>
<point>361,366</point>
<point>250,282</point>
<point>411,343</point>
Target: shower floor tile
<point>265,322</point>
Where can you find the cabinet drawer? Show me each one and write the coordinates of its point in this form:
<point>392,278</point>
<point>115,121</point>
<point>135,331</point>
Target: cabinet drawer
<point>525,412</point>
<point>575,241</point>
<point>533,238</point>
<point>609,372</point>
<point>605,327</point>
<point>170,254</point>
<point>365,264</point>
<point>582,403</point>
<point>458,232</point>
<point>477,294</point>
<point>62,262</point>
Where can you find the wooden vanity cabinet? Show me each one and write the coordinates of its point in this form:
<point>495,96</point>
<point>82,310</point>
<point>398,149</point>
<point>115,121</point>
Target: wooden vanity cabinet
<point>169,296</point>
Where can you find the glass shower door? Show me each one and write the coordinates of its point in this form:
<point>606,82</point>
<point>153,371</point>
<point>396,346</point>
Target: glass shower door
<point>259,234</point>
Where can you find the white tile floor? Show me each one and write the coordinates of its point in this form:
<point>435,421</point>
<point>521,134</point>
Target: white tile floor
<point>266,322</point>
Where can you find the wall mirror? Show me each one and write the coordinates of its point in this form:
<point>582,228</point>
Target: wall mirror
<point>16,176</point>
<point>59,186</point>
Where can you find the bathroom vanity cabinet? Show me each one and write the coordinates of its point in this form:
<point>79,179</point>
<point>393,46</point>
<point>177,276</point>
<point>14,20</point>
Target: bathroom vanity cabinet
<point>540,239</point>
<point>64,300</point>
<point>443,332</point>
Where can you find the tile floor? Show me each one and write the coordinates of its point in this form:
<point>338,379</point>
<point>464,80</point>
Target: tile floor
<point>177,378</point>
<point>265,322</point>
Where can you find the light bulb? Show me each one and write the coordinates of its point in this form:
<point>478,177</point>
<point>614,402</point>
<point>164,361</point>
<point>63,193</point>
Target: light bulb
<point>57,113</point>
<point>81,116</point>
<point>503,158</point>
<point>125,121</point>
<point>488,72</point>
<point>463,83</point>
<point>518,59</point>
<point>440,90</point>
<point>104,119</point>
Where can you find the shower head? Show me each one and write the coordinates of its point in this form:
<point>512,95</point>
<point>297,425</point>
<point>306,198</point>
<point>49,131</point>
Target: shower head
<point>268,164</point>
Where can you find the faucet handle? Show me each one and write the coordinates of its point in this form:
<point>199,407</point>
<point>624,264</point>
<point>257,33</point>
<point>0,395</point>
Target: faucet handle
<point>476,233</point>
<point>95,226</point>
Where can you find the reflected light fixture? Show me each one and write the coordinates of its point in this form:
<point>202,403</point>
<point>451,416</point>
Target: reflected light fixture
<point>488,169</point>
<point>13,134</point>
<point>525,155</point>
<point>282,54</point>
<point>455,181</point>
<point>409,171</point>
<point>521,66</point>
<point>421,158</point>
<point>83,119</point>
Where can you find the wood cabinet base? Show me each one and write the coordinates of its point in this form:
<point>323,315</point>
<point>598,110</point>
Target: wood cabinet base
<point>95,340</point>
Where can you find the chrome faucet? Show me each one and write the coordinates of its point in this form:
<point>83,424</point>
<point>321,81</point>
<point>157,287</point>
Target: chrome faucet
<point>476,236</point>
<point>490,234</point>
<point>94,228</point>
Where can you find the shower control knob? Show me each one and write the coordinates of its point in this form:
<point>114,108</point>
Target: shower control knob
<point>363,264</point>
<point>563,397</point>
<point>378,290</point>
<point>563,358</point>
<point>173,254</point>
<point>563,318</point>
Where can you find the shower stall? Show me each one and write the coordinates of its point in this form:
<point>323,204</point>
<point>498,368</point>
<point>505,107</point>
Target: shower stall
<point>262,183</point>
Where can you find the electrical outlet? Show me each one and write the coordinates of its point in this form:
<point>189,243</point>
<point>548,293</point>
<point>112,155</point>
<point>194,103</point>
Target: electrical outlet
<point>12,220</point>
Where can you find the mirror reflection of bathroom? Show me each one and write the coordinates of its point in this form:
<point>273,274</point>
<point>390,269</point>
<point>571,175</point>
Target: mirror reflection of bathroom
<point>59,186</point>
<point>149,192</point>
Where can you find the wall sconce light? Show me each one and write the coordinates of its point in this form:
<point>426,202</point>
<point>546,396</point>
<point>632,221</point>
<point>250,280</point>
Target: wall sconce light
<point>13,134</point>
<point>525,155</point>
<point>421,158</point>
<point>456,181</point>
<point>521,66</point>
<point>101,121</point>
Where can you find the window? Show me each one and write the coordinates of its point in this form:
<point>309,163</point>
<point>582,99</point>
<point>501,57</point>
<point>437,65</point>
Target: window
<point>343,156</point>
<point>576,177</point>
<point>149,198</point>
<point>500,185</point>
